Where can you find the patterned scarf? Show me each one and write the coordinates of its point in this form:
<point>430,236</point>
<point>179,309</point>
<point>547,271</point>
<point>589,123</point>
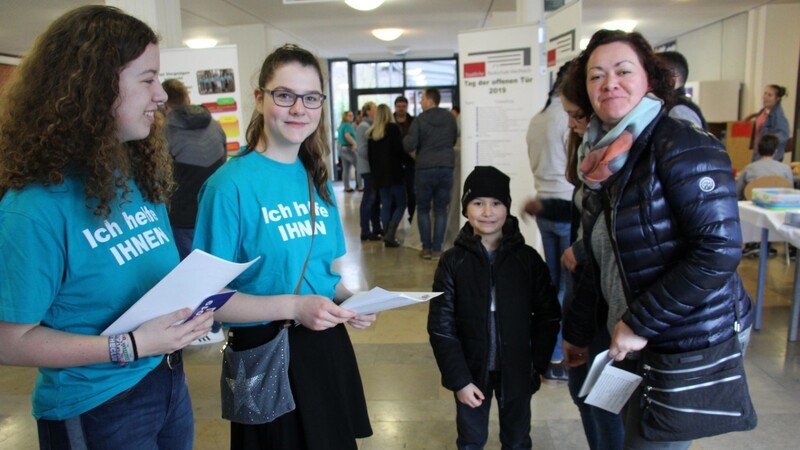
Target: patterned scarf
<point>601,156</point>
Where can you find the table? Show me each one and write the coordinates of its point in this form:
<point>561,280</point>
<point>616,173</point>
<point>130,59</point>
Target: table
<point>756,220</point>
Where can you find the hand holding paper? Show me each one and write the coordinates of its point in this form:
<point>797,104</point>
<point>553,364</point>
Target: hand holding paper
<point>195,279</point>
<point>608,387</point>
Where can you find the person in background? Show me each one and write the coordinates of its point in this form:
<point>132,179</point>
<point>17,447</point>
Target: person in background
<point>493,328</point>
<point>346,138</point>
<point>370,209</point>
<point>660,221</point>
<point>547,151</point>
<point>770,120</point>
<point>403,119</point>
<point>256,206</point>
<point>603,429</point>
<point>765,166</point>
<point>684,108</point>
<point>197,145</point>
<point>84,175</point>
<point>432,136</point>
<point>386,165</point>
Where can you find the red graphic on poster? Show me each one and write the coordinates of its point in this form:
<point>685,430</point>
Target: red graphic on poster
<point>551,58</point>
<point>475,70</point>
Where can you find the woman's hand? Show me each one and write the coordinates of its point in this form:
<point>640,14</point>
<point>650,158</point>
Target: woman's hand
<point>568,260</point>
<point>470,395</point>
<point>533,207</point>
<point>624,341</point>
<point>361,321</point>
<point>574,356</point>
<point>318,313</point>
<point>160,335</point>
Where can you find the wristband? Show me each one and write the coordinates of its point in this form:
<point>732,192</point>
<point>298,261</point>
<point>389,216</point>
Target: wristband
<point>135,349</point>
<point>121,349</point>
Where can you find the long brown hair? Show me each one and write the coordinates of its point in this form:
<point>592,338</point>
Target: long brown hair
<point>57,113</point>
<point>570,91</point>
<point>314,149</point>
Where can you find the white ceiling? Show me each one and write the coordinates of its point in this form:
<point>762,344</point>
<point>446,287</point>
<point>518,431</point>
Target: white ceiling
<point>335,30</point>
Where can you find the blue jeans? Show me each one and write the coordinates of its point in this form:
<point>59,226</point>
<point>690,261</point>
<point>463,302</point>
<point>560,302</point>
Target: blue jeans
<point>370,209</point>
<point>472,424</point>
<point>348,159</point>
<point>433,186</point>
<point>392,195</point>
<point>555,239</point>
<point>155,414</point>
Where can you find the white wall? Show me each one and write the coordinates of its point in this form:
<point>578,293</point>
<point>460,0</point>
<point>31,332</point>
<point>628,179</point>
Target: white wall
<point>781,50</point>
<point>756,48</point>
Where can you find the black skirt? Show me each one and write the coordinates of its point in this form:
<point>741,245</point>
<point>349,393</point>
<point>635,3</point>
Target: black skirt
<point>331,410</point>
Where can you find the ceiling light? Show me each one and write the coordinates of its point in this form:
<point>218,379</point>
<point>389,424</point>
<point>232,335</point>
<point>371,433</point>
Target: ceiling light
<point>387,34</point>
<point>414,71</point>
<point>364,5</point>
<point>624,25</point>
<point>584,43</point>
<point>201,43</point>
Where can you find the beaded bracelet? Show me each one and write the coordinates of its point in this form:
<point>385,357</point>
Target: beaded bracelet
<point>122,349</point>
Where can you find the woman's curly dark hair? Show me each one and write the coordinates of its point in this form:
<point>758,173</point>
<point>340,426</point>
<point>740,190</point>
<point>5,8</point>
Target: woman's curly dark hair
<point>57,115</point>
<point>315,148</point>
<point>659,77</point>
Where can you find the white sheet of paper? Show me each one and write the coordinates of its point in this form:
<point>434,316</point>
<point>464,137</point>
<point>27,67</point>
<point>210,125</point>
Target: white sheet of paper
<point>196,278</point>
<point>377,300</point>
<point>608,387</point>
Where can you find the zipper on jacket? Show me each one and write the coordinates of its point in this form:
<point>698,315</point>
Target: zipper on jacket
<point>711,412</point>
<point>691,387</point>
<point>648,367</point>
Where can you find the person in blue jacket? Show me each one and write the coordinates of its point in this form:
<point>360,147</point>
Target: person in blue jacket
<point>660,221</point>
<point>770,120</point>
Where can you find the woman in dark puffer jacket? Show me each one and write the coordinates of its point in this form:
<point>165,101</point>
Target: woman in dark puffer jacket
<point>660,221</point>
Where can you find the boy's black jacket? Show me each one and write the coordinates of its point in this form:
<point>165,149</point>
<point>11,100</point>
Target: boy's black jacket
<point>527,310</point>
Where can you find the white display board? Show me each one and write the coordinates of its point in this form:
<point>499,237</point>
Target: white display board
<point>213,79</point>
<point>563,37</point>
<point>501,88</point>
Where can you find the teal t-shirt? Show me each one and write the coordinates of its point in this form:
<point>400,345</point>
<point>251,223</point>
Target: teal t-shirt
<point>68,269</point>
<point>346,127</point>
<point>255,206</point>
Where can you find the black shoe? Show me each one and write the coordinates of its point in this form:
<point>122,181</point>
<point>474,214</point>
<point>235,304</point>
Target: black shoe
<point>792,253</point>
<point>751,250</point>
<point>555,372</point>
<point>375,237</point>
<point>394,243</point>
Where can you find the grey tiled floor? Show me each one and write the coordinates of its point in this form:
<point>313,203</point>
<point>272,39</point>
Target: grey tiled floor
<point>408,407</point>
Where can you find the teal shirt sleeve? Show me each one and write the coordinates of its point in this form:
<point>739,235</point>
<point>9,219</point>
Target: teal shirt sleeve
<point>32,257</point>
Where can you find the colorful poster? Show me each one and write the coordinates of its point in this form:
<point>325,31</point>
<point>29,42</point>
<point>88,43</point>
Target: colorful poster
<point>213,79</point>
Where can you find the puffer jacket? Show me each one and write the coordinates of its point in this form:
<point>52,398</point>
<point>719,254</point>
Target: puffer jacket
<point>527,312</point>
<point>673,219</point>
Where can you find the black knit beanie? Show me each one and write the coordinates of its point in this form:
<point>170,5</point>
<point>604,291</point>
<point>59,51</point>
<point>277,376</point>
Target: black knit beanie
<point>486,181</point>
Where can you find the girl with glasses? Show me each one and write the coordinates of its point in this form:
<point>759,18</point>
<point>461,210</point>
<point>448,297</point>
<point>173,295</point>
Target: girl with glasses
<point>258,205</point>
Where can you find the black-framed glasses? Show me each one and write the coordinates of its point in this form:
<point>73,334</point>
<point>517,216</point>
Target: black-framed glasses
<point>287,99</point>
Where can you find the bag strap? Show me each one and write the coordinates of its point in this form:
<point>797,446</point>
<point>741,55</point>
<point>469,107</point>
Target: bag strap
<point>312,206</point>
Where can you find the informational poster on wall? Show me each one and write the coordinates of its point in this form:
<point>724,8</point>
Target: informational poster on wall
<point>212,77</point>
<point>563,38</point>
<point>501,88</point>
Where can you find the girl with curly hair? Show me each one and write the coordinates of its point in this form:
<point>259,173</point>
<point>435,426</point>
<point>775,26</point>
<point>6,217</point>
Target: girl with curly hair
<point>84,233</point>
<point>258,204</point>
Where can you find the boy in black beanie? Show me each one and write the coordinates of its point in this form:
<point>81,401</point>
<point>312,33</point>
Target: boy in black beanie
<point>492,281</point>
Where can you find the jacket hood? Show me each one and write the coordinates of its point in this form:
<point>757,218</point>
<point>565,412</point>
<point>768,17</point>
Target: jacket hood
<point>190,117</point>
<point>512,237</point>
